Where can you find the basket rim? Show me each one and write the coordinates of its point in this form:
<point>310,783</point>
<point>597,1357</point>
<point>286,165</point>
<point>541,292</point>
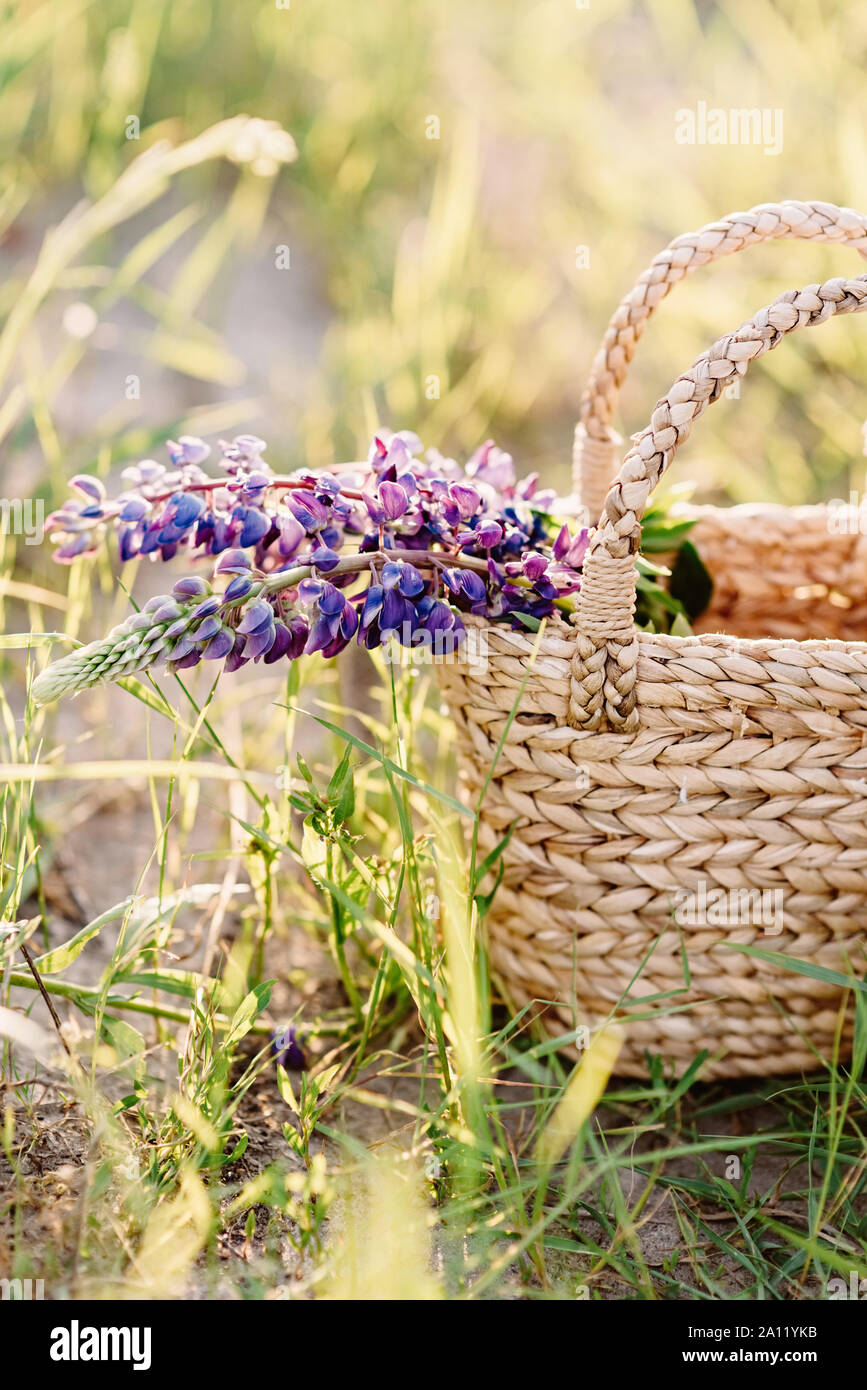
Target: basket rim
<point>565,630</point>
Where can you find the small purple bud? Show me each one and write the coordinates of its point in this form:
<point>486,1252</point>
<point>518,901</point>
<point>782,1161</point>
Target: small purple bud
<point>208,629</point>
<point>91,487</point>
<point>324,558</point>
<point>238,589</point>
<point>204,609</point>
<point>234,562</point>
<point>190,587</point>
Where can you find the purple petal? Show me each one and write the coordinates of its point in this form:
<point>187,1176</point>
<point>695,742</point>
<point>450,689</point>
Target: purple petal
<point>534,566</point>
<point>209,628</point>
<point>331,600</point>
<point>324,558</point>
<point>489,534</point>
<point>204,609</point>
<point>260,641</point>
<point>562,543</point>
<point>309,590</point>
<point>190,587</point>
<point>394,500</point>
<point>219,646</point>
<point>466,499</point>
<point>234,562</point>
<point>258,616</point>
<point>91,487</point>
<point>236,658</point>
<point>280,645</point>
<point>239,588</point>
<point>256,526</point>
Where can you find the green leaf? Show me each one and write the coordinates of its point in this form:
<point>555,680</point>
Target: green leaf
<point>341,788</point>
<point>284,1086</point>
<point>680,626</point>
<point>799,967</point>
<point>386,762</point>
<point>661,538</point>
<point>13,640</point>
<point>125,1039</point>
<point>181,982</point>
<point>690,582</point>
<point>53,962</point>
<point>239,1149</point>
<point>496,853</point>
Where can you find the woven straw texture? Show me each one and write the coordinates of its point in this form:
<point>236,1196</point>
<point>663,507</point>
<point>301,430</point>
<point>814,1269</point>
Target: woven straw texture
<point>672,797</point>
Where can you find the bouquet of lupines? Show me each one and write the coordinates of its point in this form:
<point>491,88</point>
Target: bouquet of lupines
<point>397,548</point>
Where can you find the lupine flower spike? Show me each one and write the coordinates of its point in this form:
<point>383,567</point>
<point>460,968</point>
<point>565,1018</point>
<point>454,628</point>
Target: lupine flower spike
<point>396,548</point>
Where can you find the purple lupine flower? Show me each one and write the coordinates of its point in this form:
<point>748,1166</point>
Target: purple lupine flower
<point>188,450</point>
<point>234,561</point>
<point>465,498</point>
<point>440,625</point>
<point>287,1049</point>
<point>181,513</point>
<point>290,534</point>
<point>147,473</point>
<point>255,525</point>
<point>369,634</point>
<point>533,566</point>
<point>245,449</point>
<point>323,558</point>
<point>390,503</point>
<point>258,624</point>
<point>308,509</point>
<point>400,575</point>
<point>486,536</point>
<point>465,582</point>
<point>333,619</point>
<point>492,466</point>
<point>90,486</point>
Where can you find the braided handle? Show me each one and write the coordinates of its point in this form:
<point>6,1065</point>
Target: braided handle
<point>606,650</point>
<point>596,448</point>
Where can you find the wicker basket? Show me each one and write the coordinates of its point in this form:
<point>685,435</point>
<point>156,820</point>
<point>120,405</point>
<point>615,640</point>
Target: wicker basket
<point>672,797</point>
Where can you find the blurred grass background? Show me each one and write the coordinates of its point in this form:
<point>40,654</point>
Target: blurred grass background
<point>423,265</point>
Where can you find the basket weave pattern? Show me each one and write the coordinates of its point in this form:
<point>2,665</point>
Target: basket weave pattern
<point>643,768</point>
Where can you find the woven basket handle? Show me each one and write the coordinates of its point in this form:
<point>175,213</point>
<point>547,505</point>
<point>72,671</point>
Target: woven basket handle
<point>597,446</point>
<point>606,651</point>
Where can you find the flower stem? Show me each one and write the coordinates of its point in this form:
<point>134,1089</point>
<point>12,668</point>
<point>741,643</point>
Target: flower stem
<point>425,559</point>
